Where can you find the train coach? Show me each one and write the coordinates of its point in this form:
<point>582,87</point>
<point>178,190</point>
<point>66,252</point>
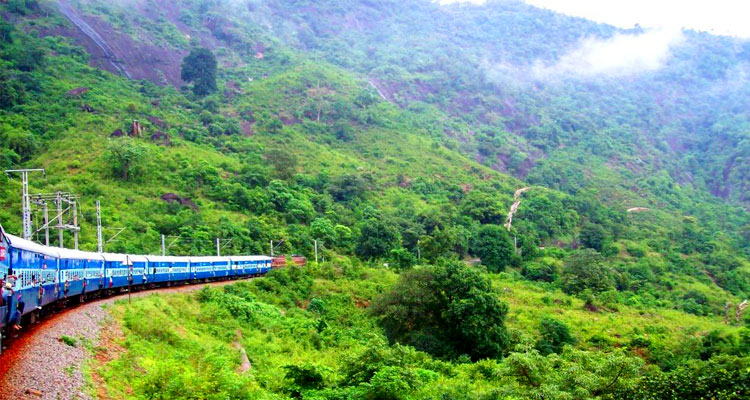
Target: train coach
<point>34,278</point>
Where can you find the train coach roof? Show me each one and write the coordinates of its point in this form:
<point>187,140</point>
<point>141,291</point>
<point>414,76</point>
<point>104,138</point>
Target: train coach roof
<point>70,254</point>
<point>122,258</point>
<point>250,258</point>
<point>209,259</point>
<point>172,259</point>
<point>28,245</point>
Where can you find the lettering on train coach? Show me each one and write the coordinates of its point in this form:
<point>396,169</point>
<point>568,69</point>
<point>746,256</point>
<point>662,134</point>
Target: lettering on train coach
<point>72,274</point>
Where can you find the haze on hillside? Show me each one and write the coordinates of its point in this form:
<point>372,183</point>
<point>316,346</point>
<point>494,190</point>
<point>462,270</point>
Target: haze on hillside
<point>724,17</point>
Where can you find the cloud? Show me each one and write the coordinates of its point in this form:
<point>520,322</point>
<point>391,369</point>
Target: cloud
<point>620,55</point>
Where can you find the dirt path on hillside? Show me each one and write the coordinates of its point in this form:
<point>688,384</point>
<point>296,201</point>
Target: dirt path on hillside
<point>514,206</point>
<point>40,365</point>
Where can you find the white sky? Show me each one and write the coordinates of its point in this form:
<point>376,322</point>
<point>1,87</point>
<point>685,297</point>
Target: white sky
<point>726,17</point>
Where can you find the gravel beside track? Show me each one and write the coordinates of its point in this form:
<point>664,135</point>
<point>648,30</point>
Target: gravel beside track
<point>39,365</point>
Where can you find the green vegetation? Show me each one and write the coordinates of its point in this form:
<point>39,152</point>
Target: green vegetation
<point>446,311</point>
<point>309,334</point>
<point>70,341</point>
<point>395,133</point>
<point>199,67</point>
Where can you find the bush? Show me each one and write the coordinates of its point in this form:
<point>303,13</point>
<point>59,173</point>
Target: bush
<point>724,377</point>
<point>494,247</point>
<point>546,270</point>
<point>447,310</point>
<point>377,239</point>
<point>302,377</point>
<point>585,269</point>
<point>554,336</point>
<point>402,259</point>
<point>72,342</point>
<point>593,236</point>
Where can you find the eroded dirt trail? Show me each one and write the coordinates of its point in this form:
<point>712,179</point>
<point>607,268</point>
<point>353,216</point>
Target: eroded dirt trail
<point>40,365</point>
<point>514,206</point>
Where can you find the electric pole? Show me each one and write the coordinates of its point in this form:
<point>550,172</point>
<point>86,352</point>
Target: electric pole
<point>58,202</point>
<point>316,252</point>
<point>99,244</point>
<point>75,224</point>
<point>25,202</point>
<point>46,223</point>
<point>218,247</point>
<point>163,247</point>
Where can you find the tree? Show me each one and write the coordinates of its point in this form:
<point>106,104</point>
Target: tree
<point>446,310</point>
<point>302,377</point>
<point>483,208</point>
<point>348,186</point>
<point>199,67</point>
<point>402,258</point>
<point>12,91</point>
<point>554,335</point>
<point>493,246</point>
<point>21,7</point>
<point>322,229</point>
<point>273,125</point>
<point>284,162</point>
<point>593,236</point>
<point>28,57</point>
<point>585,269</point>
<point>377,239</point>
<point>443,242</point>
<point>722,377</point>
<point>546,269</point>
<point>22,142</point>
<point>343,131</point>
<point>574,374</point>
<point>6,32</point>
<point>126,157</point>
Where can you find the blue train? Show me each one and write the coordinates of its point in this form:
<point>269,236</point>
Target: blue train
<point>35,277</point>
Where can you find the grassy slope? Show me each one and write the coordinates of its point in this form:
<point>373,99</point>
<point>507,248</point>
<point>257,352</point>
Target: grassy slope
<point>171,340</point>
<point>74,154</point>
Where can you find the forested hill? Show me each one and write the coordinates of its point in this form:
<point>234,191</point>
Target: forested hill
<point>522,102</point>
<point>391,130</point>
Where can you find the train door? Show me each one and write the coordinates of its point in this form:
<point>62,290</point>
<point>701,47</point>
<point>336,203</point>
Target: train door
<point>4,271</point>
<point>48,280</point>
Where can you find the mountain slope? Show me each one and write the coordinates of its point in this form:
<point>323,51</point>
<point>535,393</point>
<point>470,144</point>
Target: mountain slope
<point>299,144</point>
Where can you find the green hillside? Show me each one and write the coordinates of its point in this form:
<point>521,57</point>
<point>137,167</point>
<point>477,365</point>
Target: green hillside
<point>396,134</point>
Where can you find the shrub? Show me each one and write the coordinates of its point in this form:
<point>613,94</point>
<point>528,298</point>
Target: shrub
<point>446,310</point>
<point>494,247</point>
<point>377,239</point>
<point>72,342</point>
<point>554,336</point>
<point>302,377</point>
<point>593,236</point>
<point>545,270</point>
<point>402,259</point>
<point>585,269</point>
